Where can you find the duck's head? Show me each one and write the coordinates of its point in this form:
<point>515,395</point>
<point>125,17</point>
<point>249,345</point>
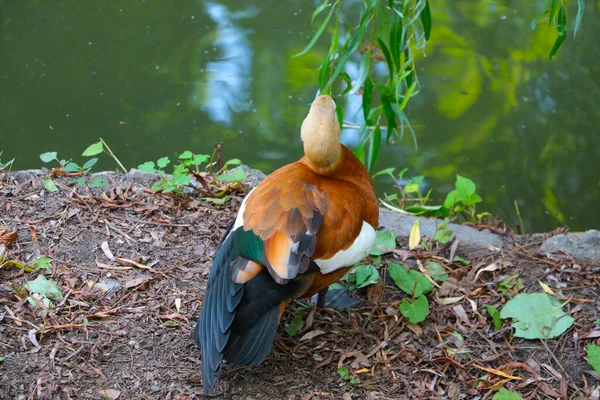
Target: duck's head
<point>320,134</point>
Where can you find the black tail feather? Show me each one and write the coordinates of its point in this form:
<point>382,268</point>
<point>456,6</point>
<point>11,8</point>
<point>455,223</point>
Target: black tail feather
<point>254,346</point>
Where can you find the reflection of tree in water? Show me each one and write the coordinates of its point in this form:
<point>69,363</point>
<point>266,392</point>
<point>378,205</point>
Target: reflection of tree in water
<point>494,108</point>
<point>227,87</point>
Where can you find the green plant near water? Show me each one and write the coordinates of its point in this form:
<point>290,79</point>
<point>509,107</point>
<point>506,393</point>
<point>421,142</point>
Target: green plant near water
<point>459,204</point>
<point>187,173</point>
<point>70,167</point>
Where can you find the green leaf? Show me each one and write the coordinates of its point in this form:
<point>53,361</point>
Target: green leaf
<point>294,326</point>
<point>343,373</point>
<point>367,99</point>
<point>536,316</point>
<point>387,171</point>
<point>597,322</point>
<point>159,185</point>
<point>71,167</point>
<point>451,199</point>
<point>436,270</point>
<point>233,162</point>
<point>460,260</point>
<point>45,263</point>
<point>594,357</point>
<point>162,162</point>
<point>509,283</point>
<point>186,155</point>
<point>235,175</point>
<point>365,275</point>
<point>45,287</point>
<point>98,182</point>
<point>390,116</point>
<point>388,57</point>
<point>553,8</point>
<point>199,159</point>
<point>562,31</point>
<point>580,11</point>
<point>148,166</point>
<point>319,30</point>
<point>410,280</point>
<point>48,157</point>
<point>426,20</point>
<point>495,314</point>
<point>504,394</point>
<point>170,324</point>
<point>374,144</point>
<point>416,311</point>
<point>465,187</point>
<point>2,358</point>
<point>90,163</point>
<point>384,241</point>
<point>93,149</point>
<point>49,184</point>
<point>78,181</point>
<point>217,200</point>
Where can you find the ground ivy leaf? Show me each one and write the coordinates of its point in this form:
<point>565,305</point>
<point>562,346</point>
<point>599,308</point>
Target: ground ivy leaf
<point>186,155</point>
<point>49,184</point>
<point>148,166</point>
<point>436,270</point>
<point>48,156</point>
<point>416,311</point>
<point>93,149</point>
<point>366,275</point>
<point>234,175</point>
<point>98,182</point>
<point>384,241</point>
<point>594,357</point>
<point>163,162</point>
<point>45,288</point>
<point>293,327</point>
<point>45,263</point>
<point>505,394</point>
<point>410,280</point>
<point>536,316</point>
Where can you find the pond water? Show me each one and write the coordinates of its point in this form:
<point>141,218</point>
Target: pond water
<point>154,78</point>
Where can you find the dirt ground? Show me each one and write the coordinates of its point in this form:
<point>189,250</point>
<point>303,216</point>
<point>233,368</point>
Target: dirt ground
<point>123,327</point>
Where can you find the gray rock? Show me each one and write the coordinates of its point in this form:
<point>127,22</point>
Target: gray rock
<point>584,247</point>
<point>470,241</point>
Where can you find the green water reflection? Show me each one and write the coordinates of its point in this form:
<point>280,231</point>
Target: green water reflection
<point>153,78</point>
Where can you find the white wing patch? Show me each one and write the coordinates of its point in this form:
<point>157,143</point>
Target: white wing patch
<point>344,258</point>
<point>239,220</point>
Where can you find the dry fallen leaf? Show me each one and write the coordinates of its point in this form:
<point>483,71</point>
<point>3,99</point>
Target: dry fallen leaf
<point>106,250</point>
<point>110,394</point>
<point>311,334</point>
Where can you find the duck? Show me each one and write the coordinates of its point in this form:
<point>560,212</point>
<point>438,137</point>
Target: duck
<point>297,232</point>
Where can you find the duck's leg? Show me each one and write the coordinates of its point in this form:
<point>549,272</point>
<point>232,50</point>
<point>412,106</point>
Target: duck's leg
<point>322,297</point>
